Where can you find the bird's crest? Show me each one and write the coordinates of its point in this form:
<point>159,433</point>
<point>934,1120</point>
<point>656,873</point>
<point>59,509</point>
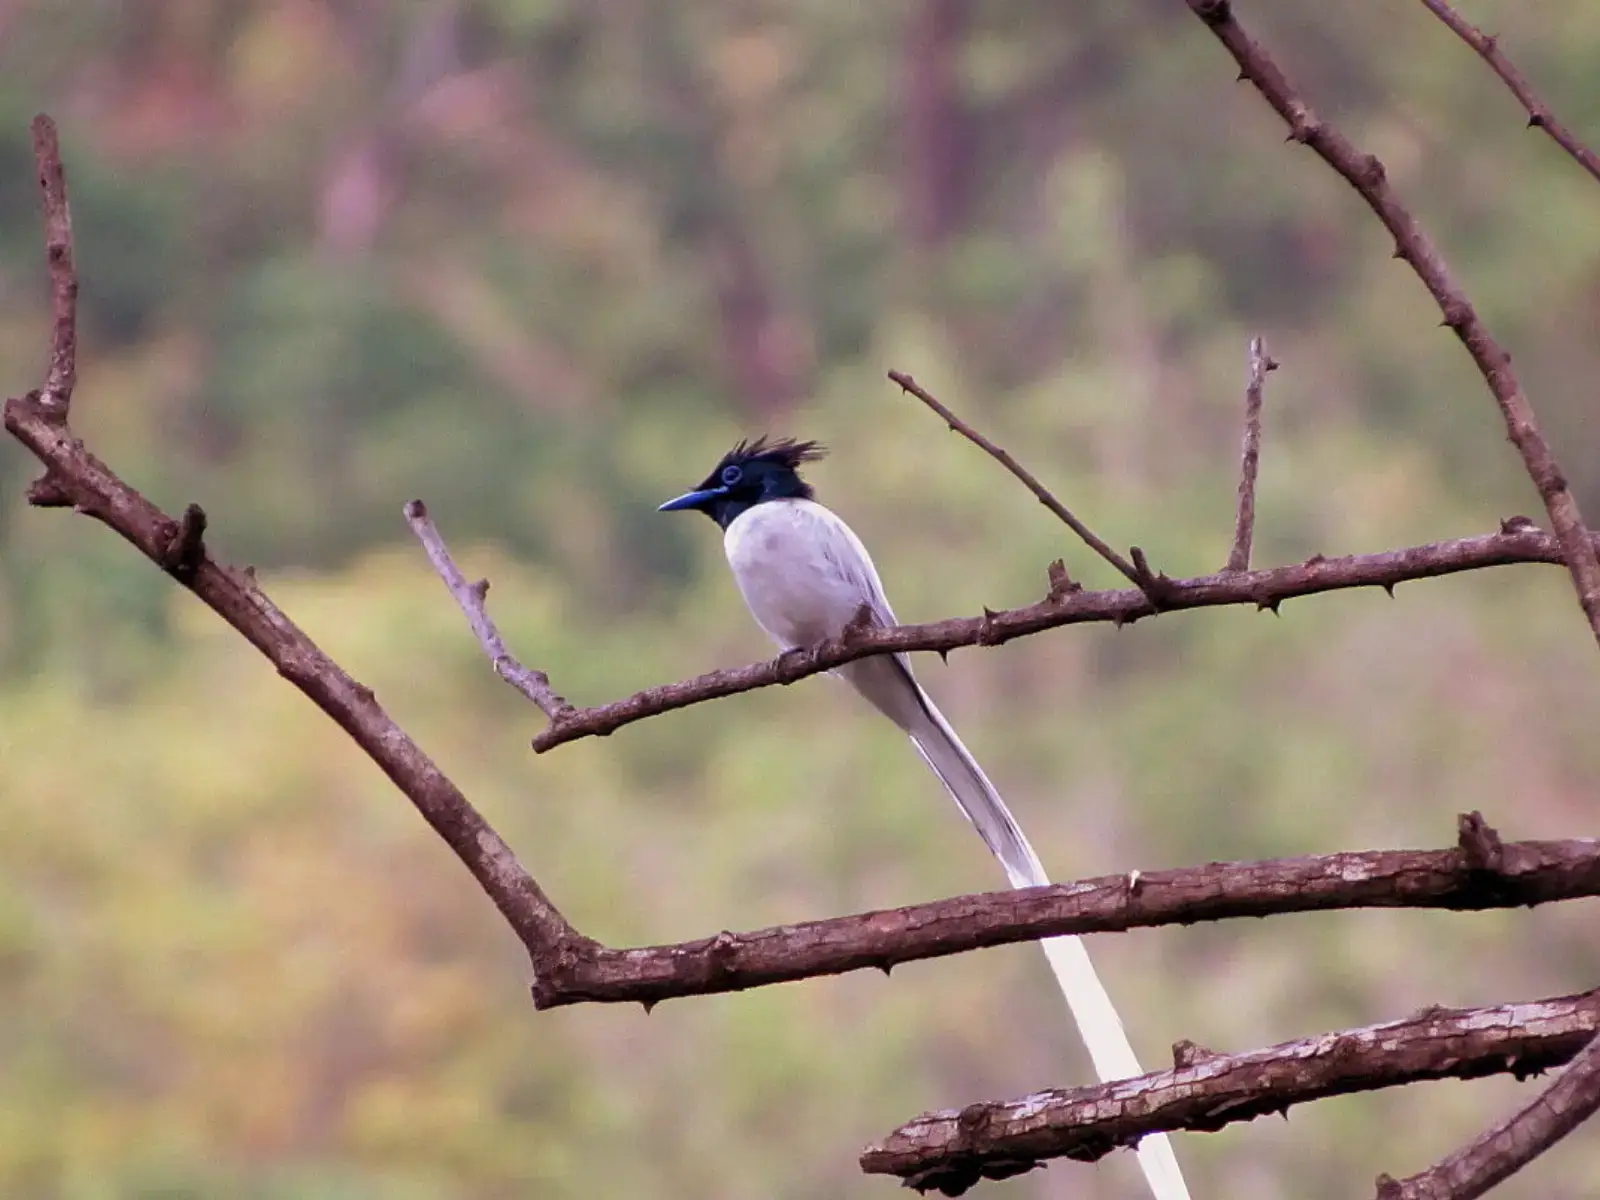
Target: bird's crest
<point>787,452</point>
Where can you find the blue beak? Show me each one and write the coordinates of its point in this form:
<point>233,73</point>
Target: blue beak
<point>693,499</point>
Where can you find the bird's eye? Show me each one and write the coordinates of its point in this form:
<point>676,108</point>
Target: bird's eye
<point>731,475</point>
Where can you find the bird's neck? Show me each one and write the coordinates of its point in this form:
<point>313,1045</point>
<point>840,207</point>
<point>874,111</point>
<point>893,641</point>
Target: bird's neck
<point>730,509</point>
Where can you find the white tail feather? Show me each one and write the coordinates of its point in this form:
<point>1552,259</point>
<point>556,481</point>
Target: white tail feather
<point>804,576</point>
<point>1113,1056</point>
<point>883,682</point>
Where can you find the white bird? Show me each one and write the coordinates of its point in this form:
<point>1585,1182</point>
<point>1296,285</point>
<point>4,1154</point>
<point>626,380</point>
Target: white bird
<point>804,576</point>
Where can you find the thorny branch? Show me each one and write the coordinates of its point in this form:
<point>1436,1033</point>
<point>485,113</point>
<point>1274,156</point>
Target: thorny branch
<point>1244,524</point>
<point>1518,541</point>
<point>1365,172</point>
<point>1504,1149</point>
<point>1523,873</point>
<point>1021,473</point>
<point>952,1150</point>
<point>1539,114</point>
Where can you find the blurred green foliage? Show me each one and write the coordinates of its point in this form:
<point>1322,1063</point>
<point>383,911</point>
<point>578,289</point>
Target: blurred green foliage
<point>539,262</point>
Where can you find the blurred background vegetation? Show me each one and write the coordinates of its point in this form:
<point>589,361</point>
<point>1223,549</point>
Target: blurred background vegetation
<point>540,262</point>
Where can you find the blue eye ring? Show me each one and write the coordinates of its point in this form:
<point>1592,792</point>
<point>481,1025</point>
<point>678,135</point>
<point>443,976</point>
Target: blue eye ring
<point>731,475</point>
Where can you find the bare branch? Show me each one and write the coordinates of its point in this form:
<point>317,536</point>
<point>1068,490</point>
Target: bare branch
<point>472,597</point>
<point>1528,873</point>
<point>56,398</point>
<point>77,478</point>
<point>1040,492</point>
<point>1511,1144</point>
<point>1244,524</point>
<point>1366,174</point>
<point>950,1151</point>
<point>1539,114</point>
<point>1518,542</point>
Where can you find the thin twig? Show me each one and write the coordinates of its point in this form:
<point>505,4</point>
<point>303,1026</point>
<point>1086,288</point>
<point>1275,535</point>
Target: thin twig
<point>1508,1146</point>
<point>1366,174</point>
<point>1518,542</point>
<point>1530,873</point>
<point>1244,524</point>
<point>1539,114</point>
<point>950,1151</point>
<point>472,597</point>
<point>1040,492</point>
<point>62,376</point>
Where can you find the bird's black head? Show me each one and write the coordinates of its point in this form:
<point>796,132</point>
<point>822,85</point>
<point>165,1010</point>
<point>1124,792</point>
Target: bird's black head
<point>749,474</point>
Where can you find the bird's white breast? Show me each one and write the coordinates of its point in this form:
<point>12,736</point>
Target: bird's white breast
<point>802,571</point>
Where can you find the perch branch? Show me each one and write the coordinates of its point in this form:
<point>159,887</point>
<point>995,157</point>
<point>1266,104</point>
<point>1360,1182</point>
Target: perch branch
<point>1518,542</point>
<point>1539,114</point>
<point>1508,1146</point>
<point>950,1151</point>
<point>1244,525</point>
<point>1527,873</point>
<point>472,597</point>
<point>1366,174</point>
<point>77,478</point>
<point>1040,492</point>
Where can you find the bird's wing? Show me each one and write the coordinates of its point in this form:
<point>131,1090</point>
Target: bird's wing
<point>884,681</point>
<point>844,554</point>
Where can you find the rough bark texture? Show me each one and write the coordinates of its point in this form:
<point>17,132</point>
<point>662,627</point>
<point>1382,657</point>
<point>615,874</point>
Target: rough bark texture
<point>1505,1148</point>
<point>950,1151</point>
<point>1518,542</point>
<point>1469,877</point>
